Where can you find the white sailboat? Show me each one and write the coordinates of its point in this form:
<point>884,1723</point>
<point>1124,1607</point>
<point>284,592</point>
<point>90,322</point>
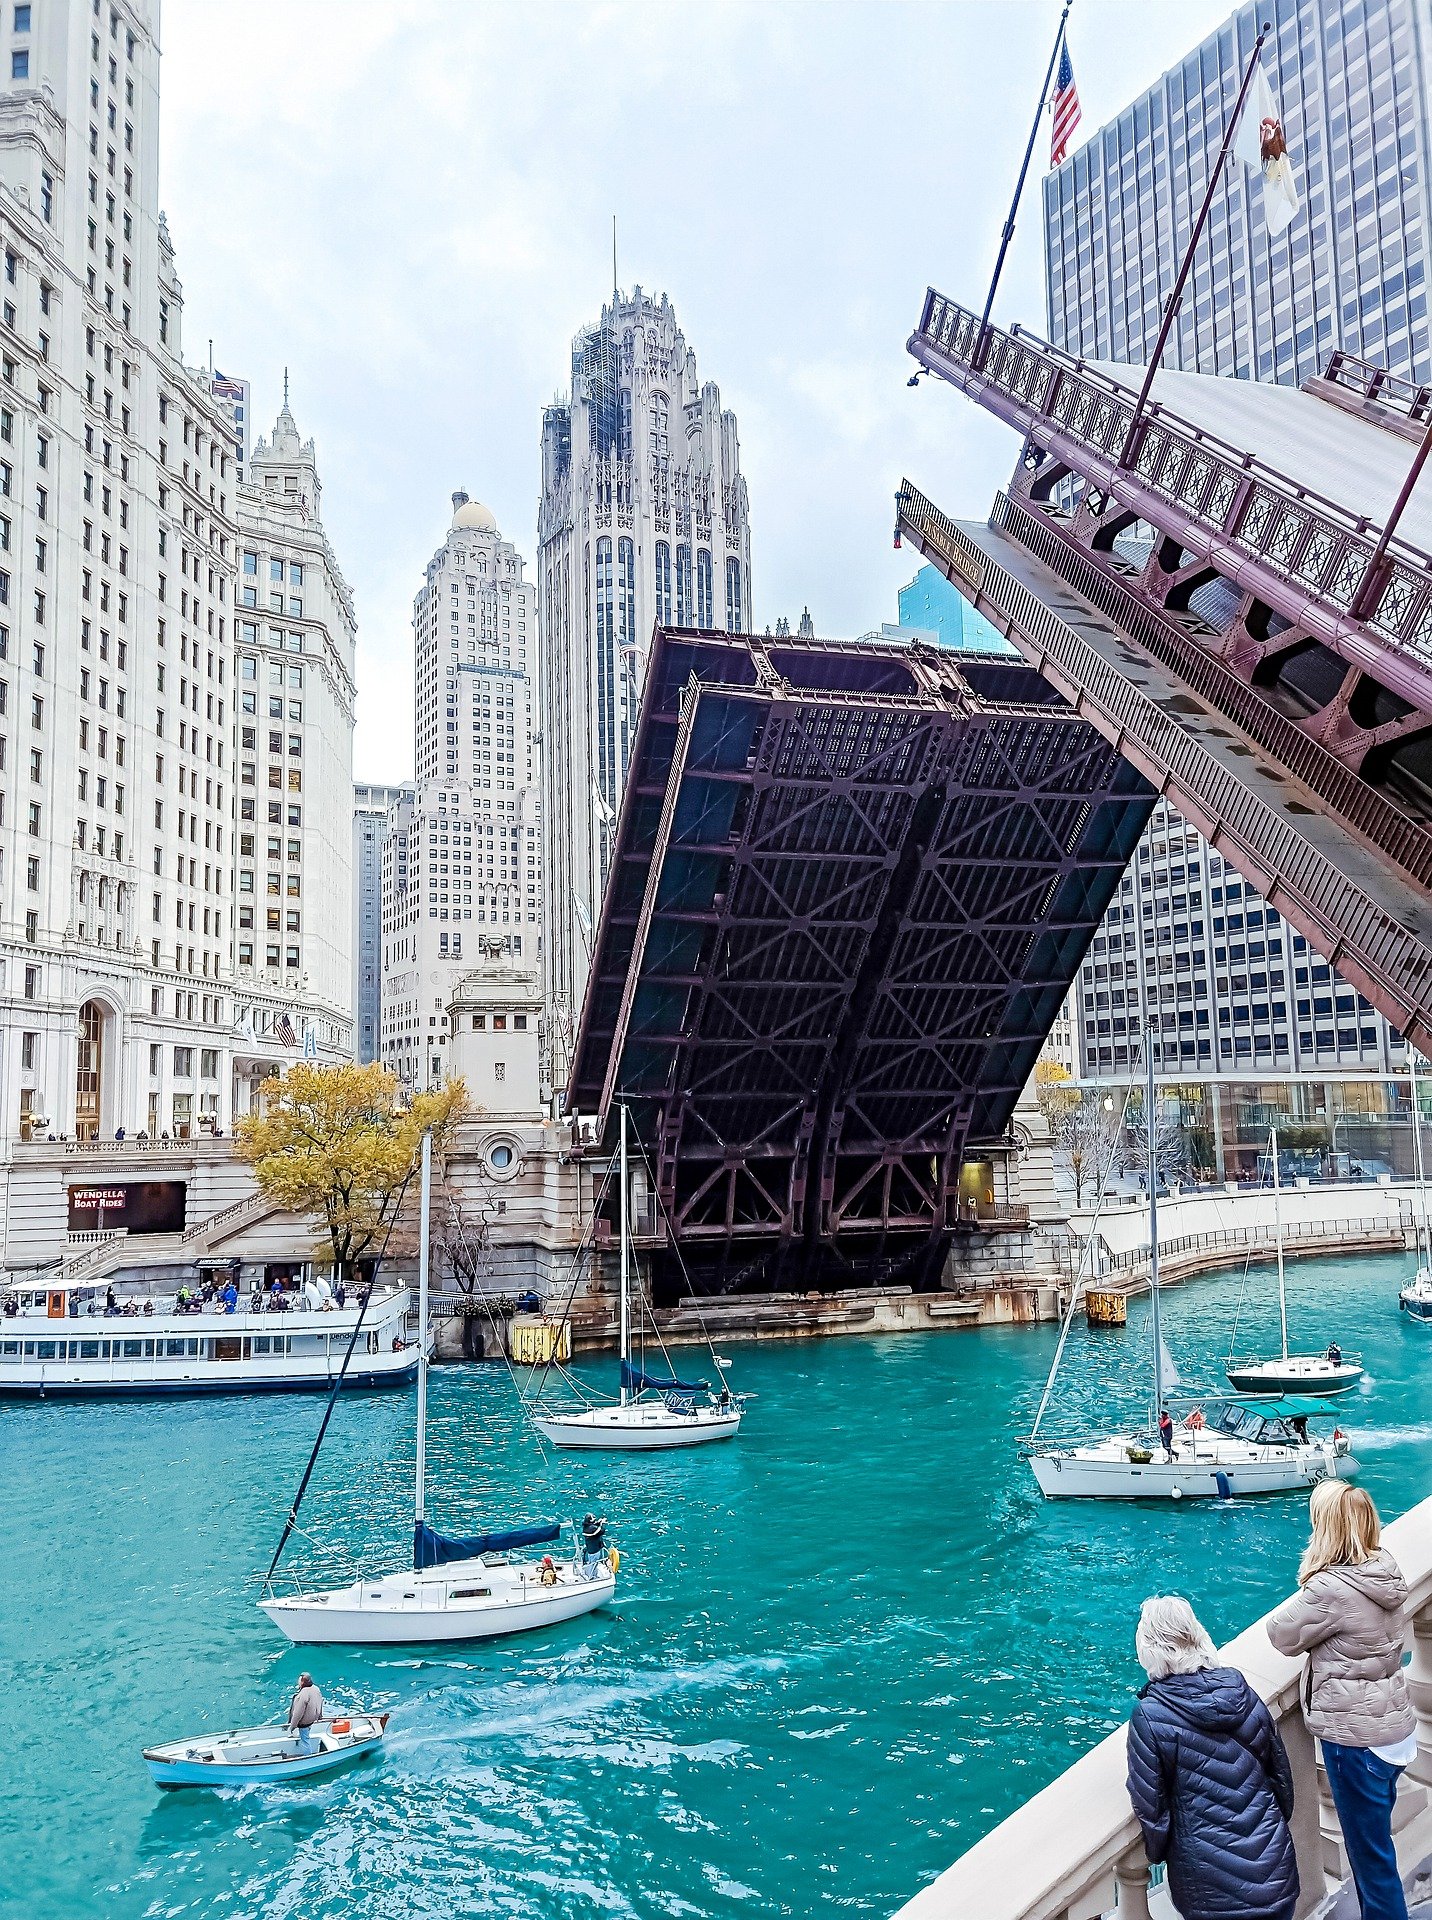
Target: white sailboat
<point>652,1412</point>
<point>1216,1450</point>
<point>1302,1375</point>
<point>458,1588</point>
<point>1415,1299</point>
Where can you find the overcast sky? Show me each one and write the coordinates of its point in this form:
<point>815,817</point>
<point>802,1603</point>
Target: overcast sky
<point>408,203</point>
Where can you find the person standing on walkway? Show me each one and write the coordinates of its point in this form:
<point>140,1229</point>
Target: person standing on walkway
<point>1208,1776</point>
<point>1350,1619</point>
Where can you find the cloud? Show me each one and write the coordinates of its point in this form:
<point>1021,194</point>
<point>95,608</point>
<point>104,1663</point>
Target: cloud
<point>408,203</point>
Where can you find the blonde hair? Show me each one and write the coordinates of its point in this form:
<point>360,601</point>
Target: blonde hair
<point>1346,1529</point>
<point>1169,1638</point>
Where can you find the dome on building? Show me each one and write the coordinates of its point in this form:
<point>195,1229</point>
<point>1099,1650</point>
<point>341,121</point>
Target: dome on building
<point>468,513</point>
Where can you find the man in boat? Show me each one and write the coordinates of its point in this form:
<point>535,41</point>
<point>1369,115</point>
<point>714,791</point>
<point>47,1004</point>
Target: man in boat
<point>1166,1431</point>
<point>305,1711</point>
<point>594,1544</point>
<point>1335,1354</point>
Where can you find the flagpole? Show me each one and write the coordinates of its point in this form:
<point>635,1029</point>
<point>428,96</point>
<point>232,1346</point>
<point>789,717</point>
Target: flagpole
<point>1129,449</point>
<point>1008,234</point>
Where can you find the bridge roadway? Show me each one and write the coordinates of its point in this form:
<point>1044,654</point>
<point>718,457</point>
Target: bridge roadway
<point>1338,890</point>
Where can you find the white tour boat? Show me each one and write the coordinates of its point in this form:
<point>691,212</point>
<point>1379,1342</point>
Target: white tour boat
<point>1218,1450</point>
<point>1415,1299</point>
<point>459,1588</point>
<point>60,1338</point>
<point>653,1412</point>
<point>1295,1375</point>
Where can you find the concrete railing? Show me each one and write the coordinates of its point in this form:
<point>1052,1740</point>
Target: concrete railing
<point>1074,1852</point>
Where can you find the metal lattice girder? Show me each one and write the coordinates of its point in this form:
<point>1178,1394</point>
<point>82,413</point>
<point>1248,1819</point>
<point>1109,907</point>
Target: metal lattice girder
<point>852,886</point>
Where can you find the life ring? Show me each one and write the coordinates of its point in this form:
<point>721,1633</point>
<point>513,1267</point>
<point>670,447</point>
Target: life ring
<point>1194,1422</point>
<point>614,1558</point>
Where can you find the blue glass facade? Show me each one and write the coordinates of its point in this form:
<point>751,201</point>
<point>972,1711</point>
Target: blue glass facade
<point>931,605</point>
<point>1351,79</point>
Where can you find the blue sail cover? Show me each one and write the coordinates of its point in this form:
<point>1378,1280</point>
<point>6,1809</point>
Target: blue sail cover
<point>437,1549</point>
<point>635,1382</point>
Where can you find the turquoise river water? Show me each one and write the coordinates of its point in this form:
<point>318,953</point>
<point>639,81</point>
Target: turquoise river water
<point>843,1647</point>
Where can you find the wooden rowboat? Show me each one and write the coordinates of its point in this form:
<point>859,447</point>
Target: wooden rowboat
<point>247,1755</point>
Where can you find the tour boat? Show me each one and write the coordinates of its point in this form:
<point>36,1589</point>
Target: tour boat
<point>653,1412</point>
<point>1217,1450</point>
<point>1295,1375</point>
<point>249,1756</point>
<point>464,1588</point>
<point>1415,1299</point>
<point>59,1338</point>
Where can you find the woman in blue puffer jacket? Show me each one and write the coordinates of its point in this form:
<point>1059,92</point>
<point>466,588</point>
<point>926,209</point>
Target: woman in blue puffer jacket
<point>1208,1776</point>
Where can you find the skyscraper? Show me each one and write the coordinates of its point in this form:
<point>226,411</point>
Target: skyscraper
<point>120,529</point>
<point>461,859</point>
<point>643,520</point>
<point>371,809</point>
<point>1351,78</point>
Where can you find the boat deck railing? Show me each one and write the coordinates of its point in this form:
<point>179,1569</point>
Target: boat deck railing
<point>1074,1851</point>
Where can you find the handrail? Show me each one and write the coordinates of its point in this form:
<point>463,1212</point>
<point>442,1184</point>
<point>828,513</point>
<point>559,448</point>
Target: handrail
<point>1336,913</point>
<point>1318,548</point>
<point>1076,1845</point>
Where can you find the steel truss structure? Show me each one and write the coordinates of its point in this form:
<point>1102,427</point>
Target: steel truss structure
<point>852,885</point>
<point>1246,640</point>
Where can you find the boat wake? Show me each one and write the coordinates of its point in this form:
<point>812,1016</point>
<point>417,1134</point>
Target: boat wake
<point>1368,1439</point>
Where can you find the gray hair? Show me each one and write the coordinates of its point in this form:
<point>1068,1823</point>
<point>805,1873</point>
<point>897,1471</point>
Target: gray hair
<point>1170,1640</point>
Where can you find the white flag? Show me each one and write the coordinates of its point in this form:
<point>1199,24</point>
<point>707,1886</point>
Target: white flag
<point>1260,142</point>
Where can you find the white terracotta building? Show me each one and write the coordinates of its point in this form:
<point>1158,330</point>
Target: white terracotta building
<point>119,551</point>
<point>643,519</point>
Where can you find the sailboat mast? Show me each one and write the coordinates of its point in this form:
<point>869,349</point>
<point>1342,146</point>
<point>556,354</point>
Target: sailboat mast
<point>1425,1233</point>
<point>622,1234</point>
<point>1155,1328</point>
<point>1278,1231</point>
<point>422,1448</point>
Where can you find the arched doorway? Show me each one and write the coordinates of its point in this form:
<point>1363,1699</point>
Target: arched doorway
<point>89,1069</point>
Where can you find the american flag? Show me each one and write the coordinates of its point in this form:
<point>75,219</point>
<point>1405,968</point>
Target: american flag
<point>283,1027</point>
<point>1066,108</point>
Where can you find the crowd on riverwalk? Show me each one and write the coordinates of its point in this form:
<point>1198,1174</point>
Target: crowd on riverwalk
<point>1209,1778</point>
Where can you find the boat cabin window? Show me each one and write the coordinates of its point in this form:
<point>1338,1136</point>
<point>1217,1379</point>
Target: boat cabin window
<point>470,1593</point>
<point>44,1349</point>
<point>9,1346</point>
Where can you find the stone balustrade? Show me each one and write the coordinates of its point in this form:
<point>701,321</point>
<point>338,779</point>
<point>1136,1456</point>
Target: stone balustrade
<point>1074,1851</point>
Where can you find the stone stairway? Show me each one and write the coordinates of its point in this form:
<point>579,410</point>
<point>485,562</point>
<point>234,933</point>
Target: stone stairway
<point>105,1256</point>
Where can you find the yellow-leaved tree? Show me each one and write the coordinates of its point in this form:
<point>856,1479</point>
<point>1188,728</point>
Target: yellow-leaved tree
<point>339,1143</point>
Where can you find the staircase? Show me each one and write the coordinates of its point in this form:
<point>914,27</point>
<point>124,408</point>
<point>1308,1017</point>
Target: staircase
<point>112,1250</point>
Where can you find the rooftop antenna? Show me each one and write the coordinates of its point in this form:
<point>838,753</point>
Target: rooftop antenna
<point>614,264</point>
<point>285,389</point>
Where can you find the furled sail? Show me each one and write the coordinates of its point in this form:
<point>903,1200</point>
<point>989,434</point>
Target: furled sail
<point>635,1382</point>
<point>437,1549</point>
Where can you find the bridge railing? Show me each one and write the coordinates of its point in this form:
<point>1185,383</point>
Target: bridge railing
<point>1074,1852</point>
<point>1330,907</point>
<point>1318,547</point>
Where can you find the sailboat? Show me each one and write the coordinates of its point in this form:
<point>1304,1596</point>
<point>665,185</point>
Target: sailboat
<point>459,1588</point>
<point>1313,1375</point>
<point>652,1412</point>
<point>1218,1449</point>
<point>1415,1299</point>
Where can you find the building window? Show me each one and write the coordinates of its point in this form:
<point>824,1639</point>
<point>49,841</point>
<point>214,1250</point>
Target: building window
<point>20,63</point>
<point>663,584</point>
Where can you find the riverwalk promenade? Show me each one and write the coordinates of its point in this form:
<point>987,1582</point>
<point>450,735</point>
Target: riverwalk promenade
<point>1074,1852</point>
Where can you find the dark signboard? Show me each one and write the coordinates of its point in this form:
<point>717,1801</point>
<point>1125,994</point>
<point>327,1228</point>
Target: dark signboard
<point>139,1206</point>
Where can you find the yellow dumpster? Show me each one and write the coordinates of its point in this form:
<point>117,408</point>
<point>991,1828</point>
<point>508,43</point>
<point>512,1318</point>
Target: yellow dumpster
<point>534,1341</point>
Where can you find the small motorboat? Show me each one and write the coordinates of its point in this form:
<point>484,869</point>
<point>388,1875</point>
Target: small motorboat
<point>247,1755</point>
